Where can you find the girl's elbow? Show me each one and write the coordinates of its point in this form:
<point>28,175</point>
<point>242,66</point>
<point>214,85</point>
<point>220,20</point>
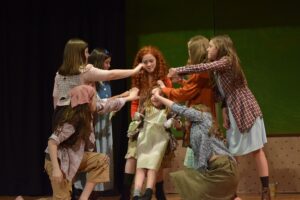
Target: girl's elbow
<point>52,142</point>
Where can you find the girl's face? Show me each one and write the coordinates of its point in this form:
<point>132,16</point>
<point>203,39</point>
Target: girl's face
<point>149,62</point>
<point>106,64</point>
<point>155,102</point>
<point>212,51</point>
<point>86,53</point>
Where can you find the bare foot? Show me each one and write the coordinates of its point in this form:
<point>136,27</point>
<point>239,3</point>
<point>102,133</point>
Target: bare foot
<point>237,198</point>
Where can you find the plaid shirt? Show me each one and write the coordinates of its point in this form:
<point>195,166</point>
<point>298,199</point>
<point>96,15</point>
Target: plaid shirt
<point>240,100</point>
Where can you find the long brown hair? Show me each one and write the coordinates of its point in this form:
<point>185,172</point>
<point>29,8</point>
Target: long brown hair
<point>74,57</point>
<point>98,56</point>
<point>226,47</point>
<point>140,80</point>
<point>97,59</point>
<point>197,47</point>
<point>80,117</point>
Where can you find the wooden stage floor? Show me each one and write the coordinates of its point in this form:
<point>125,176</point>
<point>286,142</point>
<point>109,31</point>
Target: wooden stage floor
<point>172,197</point>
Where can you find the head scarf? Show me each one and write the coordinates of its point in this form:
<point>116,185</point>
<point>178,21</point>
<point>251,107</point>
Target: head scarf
<point>81,94</point>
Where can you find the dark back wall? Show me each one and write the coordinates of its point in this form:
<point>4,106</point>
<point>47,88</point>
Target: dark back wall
<point>33,34</point>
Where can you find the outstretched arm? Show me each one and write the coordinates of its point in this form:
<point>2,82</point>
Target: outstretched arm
<point>190,88</point>
<point>133,94</point>
<point>217,65</point>
<point>123,94</point>
<point>115,104</point>
<point>95,74</point>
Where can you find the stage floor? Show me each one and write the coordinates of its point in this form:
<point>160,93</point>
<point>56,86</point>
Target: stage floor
<point>171,197</point>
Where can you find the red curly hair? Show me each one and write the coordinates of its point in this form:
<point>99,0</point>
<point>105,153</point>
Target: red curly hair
<point>140,80</point>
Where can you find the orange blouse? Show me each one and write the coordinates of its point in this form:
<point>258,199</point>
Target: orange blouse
<point>195,90</point>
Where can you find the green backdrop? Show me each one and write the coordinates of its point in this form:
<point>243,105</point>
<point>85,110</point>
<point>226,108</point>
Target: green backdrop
<point>266,35</point>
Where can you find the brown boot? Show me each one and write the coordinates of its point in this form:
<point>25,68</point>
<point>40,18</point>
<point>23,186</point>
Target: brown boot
<point>265,194</point>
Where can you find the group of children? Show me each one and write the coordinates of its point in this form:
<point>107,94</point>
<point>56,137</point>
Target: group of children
<point>217,76</point>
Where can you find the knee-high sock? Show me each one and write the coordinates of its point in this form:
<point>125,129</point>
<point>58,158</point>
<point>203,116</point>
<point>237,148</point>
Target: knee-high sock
<point>126,189</point>
<point>264,181</point>
<point>159,191</point>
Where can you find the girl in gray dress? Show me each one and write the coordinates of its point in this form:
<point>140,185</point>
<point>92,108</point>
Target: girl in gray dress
<point>215,174</point>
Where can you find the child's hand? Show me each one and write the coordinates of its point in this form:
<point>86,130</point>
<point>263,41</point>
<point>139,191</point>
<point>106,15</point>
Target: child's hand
<point>133,93</point>
<point>106,159</point>
<point>177,124</point>
<point>161,84</point>
<point>134,90</point>
<point>177,79</point>
<point>57,175</point>
<point>139,67</point>
<point>155,92</point>
<point>172,72</point>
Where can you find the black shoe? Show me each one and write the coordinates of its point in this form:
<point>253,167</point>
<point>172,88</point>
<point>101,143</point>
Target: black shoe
<point>147,195</point>
<point>265,194</point>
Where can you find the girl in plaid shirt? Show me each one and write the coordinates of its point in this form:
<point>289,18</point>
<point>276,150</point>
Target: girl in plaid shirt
<point>241,113</point>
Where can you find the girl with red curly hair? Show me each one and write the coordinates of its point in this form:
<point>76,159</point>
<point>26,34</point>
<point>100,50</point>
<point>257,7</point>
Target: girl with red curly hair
<point>154,69</point>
